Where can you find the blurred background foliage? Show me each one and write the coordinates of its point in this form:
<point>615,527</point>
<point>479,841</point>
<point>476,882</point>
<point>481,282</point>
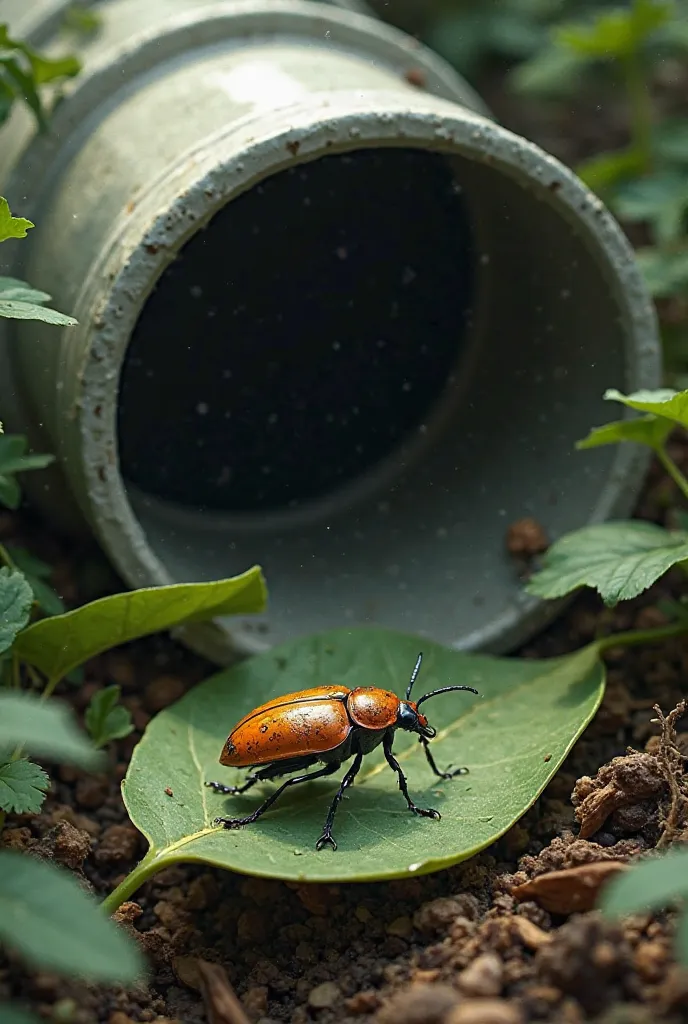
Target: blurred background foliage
<point>604,87</point>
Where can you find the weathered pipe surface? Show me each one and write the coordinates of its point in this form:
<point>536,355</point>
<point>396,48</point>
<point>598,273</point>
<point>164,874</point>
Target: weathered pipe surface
<point>333,319</point>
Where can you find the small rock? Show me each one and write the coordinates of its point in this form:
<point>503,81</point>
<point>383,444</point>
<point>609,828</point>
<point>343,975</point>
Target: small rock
<point>526,537</point>
<point>187,971</point>
<point>363,1002</point>
<point>324,995</point>
<point>120,669</point>
<point>529,933</point>
<point>482,977</point>
<point>438,915</point>
<point>118,1017</point>
<point>485,1011</point>
<point>127,913</point>
<point>16,838</point>
<point>419,1004</point>
<point>162,692</point>
<point>117,844</point>
<point>72,845</point>
<point>401,927</point>
<point>255,1001</point>
<point>91,791</point>
<point>251,927</point>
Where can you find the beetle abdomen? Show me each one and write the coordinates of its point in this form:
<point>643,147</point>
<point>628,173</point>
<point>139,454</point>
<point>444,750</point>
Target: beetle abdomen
<point>277,731</point>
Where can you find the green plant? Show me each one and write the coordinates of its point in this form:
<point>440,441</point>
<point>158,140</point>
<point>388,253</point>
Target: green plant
<point>41,654</point>
<point>24,73</point>
<point>621,559</point>
<point>645,182</point>
<point>106,719</point>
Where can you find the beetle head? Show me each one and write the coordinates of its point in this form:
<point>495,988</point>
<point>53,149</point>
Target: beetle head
<point>410,719</point>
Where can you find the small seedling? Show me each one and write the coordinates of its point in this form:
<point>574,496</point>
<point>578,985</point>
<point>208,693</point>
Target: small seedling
<point>622,559</point>
<point>106,719</point>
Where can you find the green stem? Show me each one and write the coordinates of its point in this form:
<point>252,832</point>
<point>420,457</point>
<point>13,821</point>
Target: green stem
<point>150,864</point>
<point>640,108</point>
<point>635,637</point>
<point>6,557</point>
<point>50,687</point>
<point>673,470</point>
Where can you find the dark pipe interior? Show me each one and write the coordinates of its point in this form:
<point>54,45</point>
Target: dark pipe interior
<point>301,336</point>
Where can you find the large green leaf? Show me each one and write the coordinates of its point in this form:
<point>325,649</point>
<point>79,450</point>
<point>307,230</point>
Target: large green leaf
<point>16,599</point>
<point>47,917</point>
<point>650,430</point>
<point>513,737</point>
<point>44,728</point>
<point>672,405</point>
<point>57,645</point>
<point>620,560</point>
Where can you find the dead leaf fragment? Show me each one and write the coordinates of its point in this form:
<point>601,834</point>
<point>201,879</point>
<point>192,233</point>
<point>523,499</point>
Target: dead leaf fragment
<point>572,889</point>
<point>221,1004</point>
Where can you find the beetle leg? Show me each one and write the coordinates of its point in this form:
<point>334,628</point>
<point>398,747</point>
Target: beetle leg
<point>329,769</point>
<point>271,771</point>
<point>431,761</point>
<point>219,787</point>
<point>326,836</point>
<point>393,763</point>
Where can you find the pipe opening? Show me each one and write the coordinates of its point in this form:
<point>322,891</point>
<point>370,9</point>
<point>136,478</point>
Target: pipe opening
<point>302,336</point>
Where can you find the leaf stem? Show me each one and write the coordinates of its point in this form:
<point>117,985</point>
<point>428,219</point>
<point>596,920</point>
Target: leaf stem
<point>6,557</point>
<point>635,637</point>
<point>673,470</point>
<point>640,108</point>
<point>150,864</point>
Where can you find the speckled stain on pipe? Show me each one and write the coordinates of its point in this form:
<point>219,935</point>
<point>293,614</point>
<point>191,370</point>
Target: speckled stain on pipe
<point>330,321</point>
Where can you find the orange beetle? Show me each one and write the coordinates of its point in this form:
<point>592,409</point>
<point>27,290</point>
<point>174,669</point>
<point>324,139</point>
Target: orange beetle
<point>329,724</point>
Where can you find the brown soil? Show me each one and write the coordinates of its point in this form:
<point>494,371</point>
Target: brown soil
<point>505,938</point>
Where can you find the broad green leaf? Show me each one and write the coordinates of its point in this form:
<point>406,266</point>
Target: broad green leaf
<point>105,719</point>
<point>554,71</point>
<point>620,560</point>
<point>36,572</point>
<point>513,738</point>
<point>10,1013</point>
<point>44,728</point>
<point>651,885</point>
<point>649,430</point>
<point>16,598</point>
<point>660,199</point>
<point>605,170</point>
<point>11,227</point>
<point>665,271</point>
<point>57,645</point>
<point>13,288</point>
<point>32,311</point>
<point>48,919</point>
<point>23,786</point>
<point>616,33</point>
<point>672,405</point>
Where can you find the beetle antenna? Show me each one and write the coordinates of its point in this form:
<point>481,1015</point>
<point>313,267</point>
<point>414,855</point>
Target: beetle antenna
<point>445,689</point>
<point>414,675</point>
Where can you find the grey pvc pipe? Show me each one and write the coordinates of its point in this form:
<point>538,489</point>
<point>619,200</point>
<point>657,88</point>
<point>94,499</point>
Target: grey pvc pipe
<point>329,321</point>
